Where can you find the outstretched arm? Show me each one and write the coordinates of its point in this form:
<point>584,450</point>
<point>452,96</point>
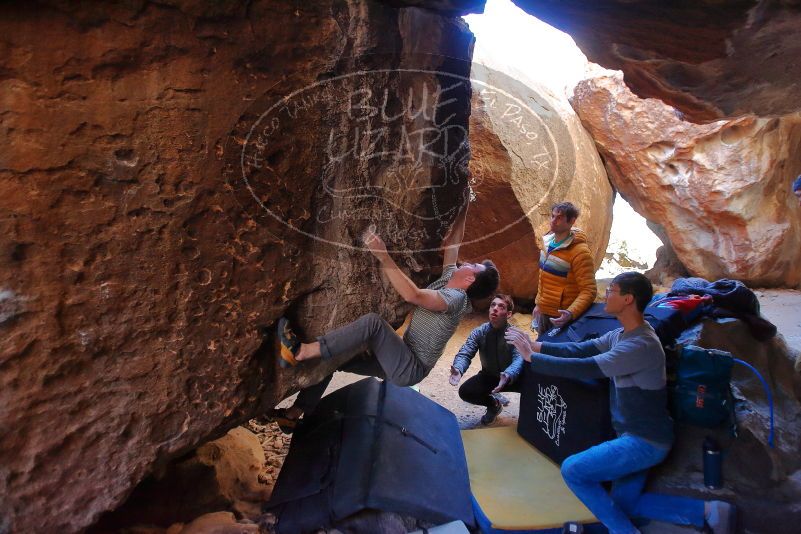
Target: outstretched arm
<point>425,298</point>
<point>462,360</point>
<point>453,240</point>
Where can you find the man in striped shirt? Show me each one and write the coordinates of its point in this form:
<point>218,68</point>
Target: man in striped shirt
<point>372,345</point>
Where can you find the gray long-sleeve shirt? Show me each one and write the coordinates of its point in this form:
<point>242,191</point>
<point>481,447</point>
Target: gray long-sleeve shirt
<point>497,356</point>
<point>635,361</point>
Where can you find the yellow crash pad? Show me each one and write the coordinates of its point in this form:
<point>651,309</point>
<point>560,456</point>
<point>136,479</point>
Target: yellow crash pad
<point>516,486</point>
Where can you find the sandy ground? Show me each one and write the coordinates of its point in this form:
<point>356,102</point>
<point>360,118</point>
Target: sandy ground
<point>780,306</point>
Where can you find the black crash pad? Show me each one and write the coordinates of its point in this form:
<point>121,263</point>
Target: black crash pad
<point>373,445</point>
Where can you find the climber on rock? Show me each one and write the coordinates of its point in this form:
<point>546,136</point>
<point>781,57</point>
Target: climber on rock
<point>371,345</point>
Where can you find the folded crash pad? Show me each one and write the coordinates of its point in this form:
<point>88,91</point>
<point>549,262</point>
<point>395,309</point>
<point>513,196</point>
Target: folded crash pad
<point>561,416</point>
<point>516,488</point>
<point>373,445</point>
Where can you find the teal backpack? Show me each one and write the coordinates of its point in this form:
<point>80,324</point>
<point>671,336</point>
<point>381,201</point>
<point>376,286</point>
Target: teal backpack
<point>701,393</point>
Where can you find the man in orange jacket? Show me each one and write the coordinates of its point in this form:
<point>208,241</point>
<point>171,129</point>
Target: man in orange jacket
<point>566,286</point>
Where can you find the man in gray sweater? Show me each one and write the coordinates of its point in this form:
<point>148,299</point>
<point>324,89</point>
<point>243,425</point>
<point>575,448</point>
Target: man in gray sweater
<point>633,358</point>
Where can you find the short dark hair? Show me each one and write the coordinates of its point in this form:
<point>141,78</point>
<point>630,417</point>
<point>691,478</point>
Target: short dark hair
<point>636,285</point>
<point>510,304</point>
<point>486,282</point>
<point>568,209</point>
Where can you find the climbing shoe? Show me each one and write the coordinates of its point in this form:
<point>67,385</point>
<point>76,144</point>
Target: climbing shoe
<point>290,344</point>
<point>285,423</point>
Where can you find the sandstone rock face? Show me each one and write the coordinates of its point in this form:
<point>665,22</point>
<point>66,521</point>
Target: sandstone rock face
<point>175,176</point>
<point>708,59</point>
<point>215,523</point>
<point>529,152</point>
<point>221,475</point>
<point>719,190</point>
<point>762,481</point>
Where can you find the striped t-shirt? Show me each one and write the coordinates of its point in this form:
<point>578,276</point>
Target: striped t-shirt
<point>429,331</point>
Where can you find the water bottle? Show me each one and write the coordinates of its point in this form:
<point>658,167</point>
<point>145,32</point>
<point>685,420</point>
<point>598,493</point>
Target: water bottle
<point>713,464</point>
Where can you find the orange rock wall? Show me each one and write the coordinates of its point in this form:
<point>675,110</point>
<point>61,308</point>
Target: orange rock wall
<point>721,191</point>
<point>530,152</point>
<point>146,223</point>
<point>710,60</point>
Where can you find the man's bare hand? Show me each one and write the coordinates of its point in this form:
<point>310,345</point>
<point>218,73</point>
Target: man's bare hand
<point>564,318</point>
<point>374,243</point>
<point>521,341</point>
<point>455,377</point>
<point>501,383</point>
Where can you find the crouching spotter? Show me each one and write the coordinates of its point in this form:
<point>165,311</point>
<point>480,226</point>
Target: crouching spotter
<point>500,362</point>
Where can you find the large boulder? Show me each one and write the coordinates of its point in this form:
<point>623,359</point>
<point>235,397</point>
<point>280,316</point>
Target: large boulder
<point>175,176</point>
<point>224,474</point>
<point>764,481</point>
<point>530,151</point>
<point>709,59</point>
<point>719,190</point>
<point>214,523</point>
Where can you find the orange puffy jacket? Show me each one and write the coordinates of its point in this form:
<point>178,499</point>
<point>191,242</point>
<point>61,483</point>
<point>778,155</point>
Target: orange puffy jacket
<point>567,276</point>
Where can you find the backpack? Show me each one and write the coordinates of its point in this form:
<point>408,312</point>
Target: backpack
<point>701,394</point>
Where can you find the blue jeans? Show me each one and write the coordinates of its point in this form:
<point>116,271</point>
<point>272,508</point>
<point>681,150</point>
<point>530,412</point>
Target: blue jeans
<point>625,462</point>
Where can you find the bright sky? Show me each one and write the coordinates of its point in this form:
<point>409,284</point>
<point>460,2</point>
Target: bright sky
<point>510,40</point>
<point>516,41</point>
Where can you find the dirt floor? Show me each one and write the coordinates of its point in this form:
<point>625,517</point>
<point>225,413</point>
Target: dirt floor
<point>780,306</point>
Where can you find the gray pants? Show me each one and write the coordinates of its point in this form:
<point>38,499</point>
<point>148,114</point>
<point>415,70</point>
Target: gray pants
<point>373,349</point>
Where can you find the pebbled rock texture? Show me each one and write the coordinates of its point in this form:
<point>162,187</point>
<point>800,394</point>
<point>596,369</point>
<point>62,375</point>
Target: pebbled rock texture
<point>175,176</point>
<point>224,474</point>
